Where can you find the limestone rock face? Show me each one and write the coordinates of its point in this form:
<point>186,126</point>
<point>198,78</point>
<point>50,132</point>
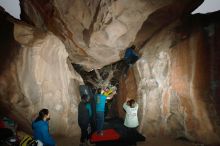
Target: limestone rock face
<point>41,77</point>
<point>97,32</point>
<point>45,77</point>
<point>128,89</point>
<point>175,82</point>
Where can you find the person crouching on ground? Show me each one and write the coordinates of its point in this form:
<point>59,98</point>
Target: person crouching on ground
<point>131,119</point>
<point>41,128</point>
<point>83,119</point>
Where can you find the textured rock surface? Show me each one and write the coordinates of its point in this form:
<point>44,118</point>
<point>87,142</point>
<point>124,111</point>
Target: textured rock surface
<point>41,78</point>
<point>9,88</point>
<point>128,89</point>
<point>175,85</point>
<point>97,32</point>
<point>45,78</point>
<point>176,82</point>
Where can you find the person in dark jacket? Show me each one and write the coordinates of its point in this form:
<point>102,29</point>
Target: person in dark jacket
<point>130,57</point>
<point>83,119</point>
<point>41,128</point>
<point>90,105</point>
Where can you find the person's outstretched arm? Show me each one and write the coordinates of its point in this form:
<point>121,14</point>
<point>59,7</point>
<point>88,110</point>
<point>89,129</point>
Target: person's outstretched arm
<point>125,106</point>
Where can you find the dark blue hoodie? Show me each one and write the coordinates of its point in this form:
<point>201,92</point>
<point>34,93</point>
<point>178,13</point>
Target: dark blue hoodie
<point>41,132</point>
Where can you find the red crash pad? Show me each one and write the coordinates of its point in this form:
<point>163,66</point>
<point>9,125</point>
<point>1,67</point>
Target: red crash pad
<point>108,135</point>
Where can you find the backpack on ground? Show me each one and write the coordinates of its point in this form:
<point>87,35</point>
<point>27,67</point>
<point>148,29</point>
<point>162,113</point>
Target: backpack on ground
<point>28,141</point>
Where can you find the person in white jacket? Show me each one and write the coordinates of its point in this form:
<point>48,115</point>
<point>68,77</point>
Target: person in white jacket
<point>131,119</point>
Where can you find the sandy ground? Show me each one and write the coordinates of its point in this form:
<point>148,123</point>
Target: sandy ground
<point>74,141</point>
<point>67,141</point>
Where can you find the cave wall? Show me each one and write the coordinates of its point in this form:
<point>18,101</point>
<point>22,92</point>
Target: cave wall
<point>127,89</point>
<point>213,34</point>
<point>40,76</point>
<point>177,81</point>
<point>9,91</point>
<point>97,32</point>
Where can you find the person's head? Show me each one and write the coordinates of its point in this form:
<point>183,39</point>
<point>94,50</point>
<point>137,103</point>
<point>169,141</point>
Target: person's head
<point>84,98</point>
<point>133,47</point>
<point>131,103</point>
<point>43,115</point>
<point>99,90</point>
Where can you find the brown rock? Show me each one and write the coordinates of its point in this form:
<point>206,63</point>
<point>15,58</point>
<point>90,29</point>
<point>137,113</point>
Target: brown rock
<point>176,81</point>
<point>96,32</point>
<point>128,89</point>
<point>39,76</point>
<point>174,84</point>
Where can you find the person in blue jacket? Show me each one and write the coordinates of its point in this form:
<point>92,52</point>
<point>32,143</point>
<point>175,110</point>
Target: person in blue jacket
<point>41,128</point>
<point>130,57</point>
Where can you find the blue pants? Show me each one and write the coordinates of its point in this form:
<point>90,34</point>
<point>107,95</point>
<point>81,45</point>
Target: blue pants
<point>99,120</point>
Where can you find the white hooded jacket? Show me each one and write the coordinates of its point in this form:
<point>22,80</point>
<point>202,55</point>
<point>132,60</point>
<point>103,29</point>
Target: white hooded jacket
<point>131,118</point>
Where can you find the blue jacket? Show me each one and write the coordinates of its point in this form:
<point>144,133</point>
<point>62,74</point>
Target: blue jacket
<point>41,132</point>
<point>130,56</point>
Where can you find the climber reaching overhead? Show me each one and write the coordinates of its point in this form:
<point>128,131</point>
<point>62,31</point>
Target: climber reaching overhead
<point>131,119</point>
<point>100,109</point>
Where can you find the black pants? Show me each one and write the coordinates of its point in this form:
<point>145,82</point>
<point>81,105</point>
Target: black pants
<point>132,136</point>
<point>84,134</point>
<point>93,126</point>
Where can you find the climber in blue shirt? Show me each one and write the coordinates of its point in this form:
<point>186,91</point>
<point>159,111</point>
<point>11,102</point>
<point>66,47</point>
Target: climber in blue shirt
<point>41,128</point>
<point>100,110</point>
